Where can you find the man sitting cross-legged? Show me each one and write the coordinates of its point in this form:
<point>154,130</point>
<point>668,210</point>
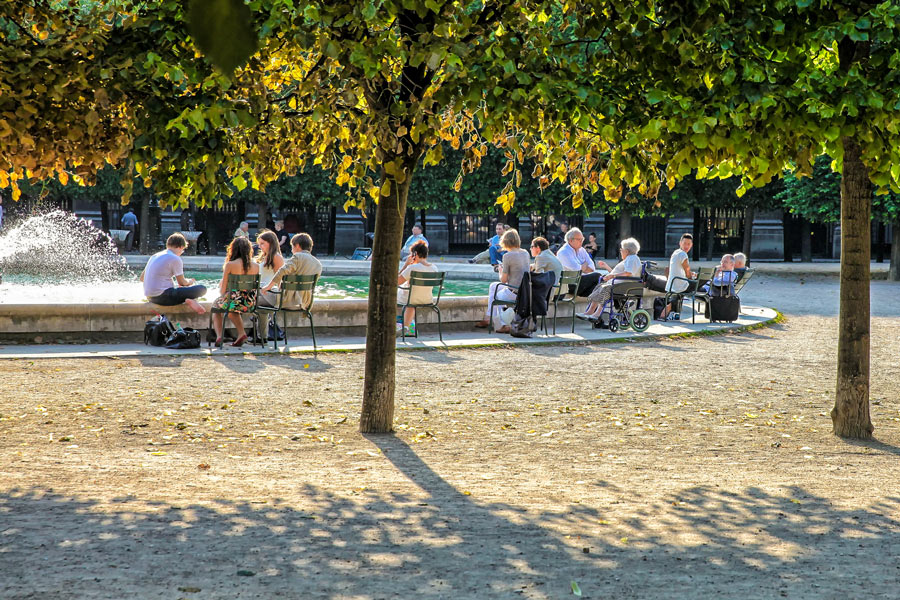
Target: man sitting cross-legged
<point>162,268</point>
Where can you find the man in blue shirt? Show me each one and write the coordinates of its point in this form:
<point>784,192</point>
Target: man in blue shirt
<point>415,237</point>
<point>129,222</point>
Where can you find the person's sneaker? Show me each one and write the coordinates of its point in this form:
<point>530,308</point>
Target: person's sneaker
<point>673,317</point>
<point>582,316</point>
<point>411,329</point>
<point>471,261</point>
<point>677,316</point>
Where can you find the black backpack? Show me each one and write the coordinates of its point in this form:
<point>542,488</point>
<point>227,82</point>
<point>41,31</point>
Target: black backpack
<point>157,331</point>
<point>183,339</point>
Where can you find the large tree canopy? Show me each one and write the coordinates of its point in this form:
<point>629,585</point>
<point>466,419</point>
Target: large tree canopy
<point>612,95</point>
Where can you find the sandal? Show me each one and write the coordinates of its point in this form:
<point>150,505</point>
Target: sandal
<point>240,341</point>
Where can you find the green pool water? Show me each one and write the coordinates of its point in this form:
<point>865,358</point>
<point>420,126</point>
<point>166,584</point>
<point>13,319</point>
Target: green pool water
<point>357,286</point>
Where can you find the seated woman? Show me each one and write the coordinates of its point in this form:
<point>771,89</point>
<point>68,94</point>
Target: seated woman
<point>630,266</point>
<point>513,266</point>
<point>591,245</point>
<point>416,261</point>
<point>237,262</point>
<point>270,260</point>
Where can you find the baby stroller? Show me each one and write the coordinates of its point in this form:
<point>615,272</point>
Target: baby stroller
<point>623,309</point>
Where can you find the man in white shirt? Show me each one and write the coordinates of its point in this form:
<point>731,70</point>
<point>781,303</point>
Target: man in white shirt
<point>575,258</point>
<point>162,268</point>
<point>679,272</point>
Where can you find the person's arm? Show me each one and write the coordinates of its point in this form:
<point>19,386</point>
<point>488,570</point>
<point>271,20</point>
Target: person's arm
<point>685,264</point>
<point>223,285</point>
<point>142,274</point>
<point>278,262</point>
<point>279,275</point>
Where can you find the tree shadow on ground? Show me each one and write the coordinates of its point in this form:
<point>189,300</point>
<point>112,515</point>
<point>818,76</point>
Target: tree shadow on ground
<point>440,357</point>
<point>439,542</point>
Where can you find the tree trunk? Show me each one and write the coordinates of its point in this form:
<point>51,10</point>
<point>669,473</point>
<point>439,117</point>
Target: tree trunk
<point>850,414</point>
<point>698,218</point>
<point>381,339</point>
<point>624,227</point>
<point>145,224</point>
<point>787,238</point>
<point>610,227</point>
<point>805,241</point>
<point>710,233</point>
<point>262,214</point>
<point>894,273</point>
<point>747,243</point>
<point>879,252</point>
<point>104,215</point>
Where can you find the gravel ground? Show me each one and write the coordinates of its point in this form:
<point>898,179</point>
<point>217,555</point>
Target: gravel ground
<point>688,468</point>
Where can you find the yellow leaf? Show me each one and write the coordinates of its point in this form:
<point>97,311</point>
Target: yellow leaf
<point>386,188</point>
<point>63,177</point>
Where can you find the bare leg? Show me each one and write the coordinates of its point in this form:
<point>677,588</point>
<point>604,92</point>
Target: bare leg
<point>408,315</point>
<point>218,325</point>
<point>238,324</point>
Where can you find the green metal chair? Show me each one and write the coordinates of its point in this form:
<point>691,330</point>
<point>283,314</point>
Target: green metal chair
<point>241,283</point>
<point>503,303</point>
<point>742,281</point>
<point>294,283</point>
<point>568,280</point>
<point>424,279</point>
<point>698,295</point>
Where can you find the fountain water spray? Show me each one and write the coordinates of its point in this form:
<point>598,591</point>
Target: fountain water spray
<point>60,246</point>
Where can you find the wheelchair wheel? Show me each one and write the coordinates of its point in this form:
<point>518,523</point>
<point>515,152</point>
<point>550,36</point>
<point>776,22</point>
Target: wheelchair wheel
<point>614,324</point>
<point>640,320</point>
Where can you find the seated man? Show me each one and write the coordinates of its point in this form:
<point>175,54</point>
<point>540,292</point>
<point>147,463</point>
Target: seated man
<point>302,262</point>
<point>725,276</point>
<point>415,237</point>
<point>544,260</point>
<point>680,268</point>
<point>575,258</point>
<point>740,265</point>
<point>161,268</point>
<point>494,252</point>
<point>243,230</point>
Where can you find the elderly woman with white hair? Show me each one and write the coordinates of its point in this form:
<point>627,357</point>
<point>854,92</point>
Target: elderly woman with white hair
<point>630,266</point>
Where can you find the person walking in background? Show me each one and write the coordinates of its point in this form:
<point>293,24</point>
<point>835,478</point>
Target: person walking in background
<point>162,268</point>
<point>129,223</point>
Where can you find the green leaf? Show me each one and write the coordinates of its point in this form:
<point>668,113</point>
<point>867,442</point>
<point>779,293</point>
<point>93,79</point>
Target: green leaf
<point>223,31</point>
<point>239,182</point>
<point>575,589</point>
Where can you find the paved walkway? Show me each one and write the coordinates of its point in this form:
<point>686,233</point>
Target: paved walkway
<point>750,317</point>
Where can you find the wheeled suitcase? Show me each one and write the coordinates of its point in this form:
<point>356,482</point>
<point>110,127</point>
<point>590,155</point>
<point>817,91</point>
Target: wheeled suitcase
<point>723,308</point>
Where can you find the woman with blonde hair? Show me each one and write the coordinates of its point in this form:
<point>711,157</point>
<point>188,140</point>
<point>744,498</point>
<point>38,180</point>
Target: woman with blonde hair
<point>270,260</point>
<point>514,264</point>
<point>237,262</point>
